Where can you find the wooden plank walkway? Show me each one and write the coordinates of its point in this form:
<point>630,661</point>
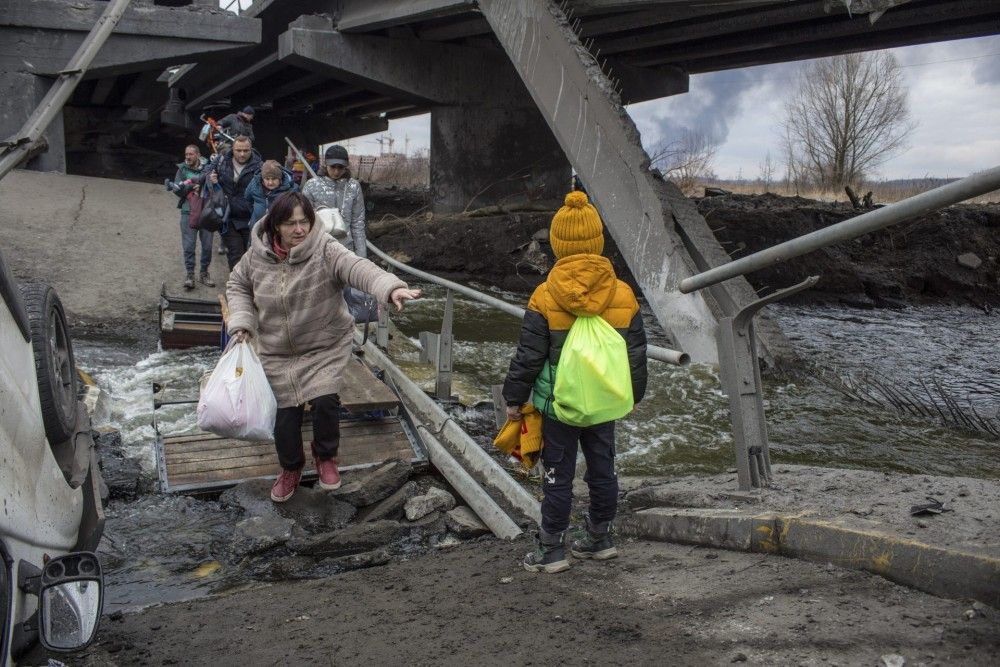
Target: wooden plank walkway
<point>203,461</point>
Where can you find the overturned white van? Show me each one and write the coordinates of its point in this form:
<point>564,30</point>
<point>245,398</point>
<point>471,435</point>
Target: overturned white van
<point>51,517</point>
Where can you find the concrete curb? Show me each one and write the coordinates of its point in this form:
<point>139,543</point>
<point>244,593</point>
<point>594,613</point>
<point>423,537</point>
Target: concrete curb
<point>943,572</point>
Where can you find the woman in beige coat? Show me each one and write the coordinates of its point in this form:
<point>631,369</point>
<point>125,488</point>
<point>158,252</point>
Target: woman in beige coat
<point>287,293</point>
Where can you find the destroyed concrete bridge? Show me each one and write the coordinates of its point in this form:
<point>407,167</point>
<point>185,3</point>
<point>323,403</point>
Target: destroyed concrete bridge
<point>519,92</point>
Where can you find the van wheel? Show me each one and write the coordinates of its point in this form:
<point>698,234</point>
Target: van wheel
<point>54,364</point>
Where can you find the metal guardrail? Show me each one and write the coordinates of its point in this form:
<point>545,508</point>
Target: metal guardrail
<point>656,352</point>
<point>911,207</point>
<point>739,368</point>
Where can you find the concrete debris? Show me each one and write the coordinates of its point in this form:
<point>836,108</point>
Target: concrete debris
<point>316,511</point>
<point>357,561</point>
<point>122,475</point>
<point>258,534</point>
<point>371,487</point>
<point>464,523</point>
<point>892,660</point>
<point>353,539</point>
<point>392,507</point>
<point>969,260</point>
<point>434,499</point>
<point>429,526</point>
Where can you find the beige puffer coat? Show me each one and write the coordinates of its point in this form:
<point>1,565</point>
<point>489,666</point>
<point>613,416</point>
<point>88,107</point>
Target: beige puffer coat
<point>295,310</point>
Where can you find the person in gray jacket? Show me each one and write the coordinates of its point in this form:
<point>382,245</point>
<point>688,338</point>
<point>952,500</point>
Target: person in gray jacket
<point>338,190</point>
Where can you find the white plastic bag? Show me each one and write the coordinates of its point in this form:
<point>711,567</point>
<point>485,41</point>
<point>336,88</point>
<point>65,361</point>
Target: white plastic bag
<point>332,221</point>
<point>237,401</point>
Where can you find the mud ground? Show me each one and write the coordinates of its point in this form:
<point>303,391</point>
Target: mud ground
<point>658,604</point>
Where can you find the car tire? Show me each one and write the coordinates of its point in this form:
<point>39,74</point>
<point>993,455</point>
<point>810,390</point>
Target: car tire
<point>54,363</point>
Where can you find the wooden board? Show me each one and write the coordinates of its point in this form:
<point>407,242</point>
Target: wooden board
<point>362,391</point>
<point>202,461</point>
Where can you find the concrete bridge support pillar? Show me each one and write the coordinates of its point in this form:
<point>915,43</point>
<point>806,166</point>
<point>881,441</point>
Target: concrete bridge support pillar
<point>483,155</point>
<point>20,93</point>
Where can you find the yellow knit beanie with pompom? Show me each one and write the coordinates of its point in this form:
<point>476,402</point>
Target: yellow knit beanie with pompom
<point>576,228</point>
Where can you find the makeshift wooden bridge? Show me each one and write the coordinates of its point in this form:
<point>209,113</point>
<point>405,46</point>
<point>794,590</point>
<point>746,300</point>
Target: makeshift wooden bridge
<point>373,429</point>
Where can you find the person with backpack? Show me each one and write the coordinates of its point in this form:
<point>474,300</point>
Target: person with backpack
<point>272,181</point>
<point>582,359</point>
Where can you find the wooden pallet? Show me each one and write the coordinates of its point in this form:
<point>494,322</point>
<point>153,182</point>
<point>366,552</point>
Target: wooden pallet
<point>205,462</point>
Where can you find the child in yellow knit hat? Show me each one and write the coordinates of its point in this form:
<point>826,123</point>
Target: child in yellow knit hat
<point>581,283</point>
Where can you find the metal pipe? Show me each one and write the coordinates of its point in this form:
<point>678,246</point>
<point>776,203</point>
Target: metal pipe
<point>456,441</point>
<point>925,202</point>
<point>675,357</point>
<point>63,88</point>
<point>480,502</point>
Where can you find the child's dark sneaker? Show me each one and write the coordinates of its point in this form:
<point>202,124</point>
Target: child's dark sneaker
<point>596,543</point>
<point>549,555</point>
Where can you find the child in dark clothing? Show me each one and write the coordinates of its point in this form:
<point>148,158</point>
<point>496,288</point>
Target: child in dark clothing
<point>581,283</point>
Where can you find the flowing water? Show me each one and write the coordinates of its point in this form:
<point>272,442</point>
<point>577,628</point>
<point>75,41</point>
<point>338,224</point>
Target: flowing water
<point>681,427</point>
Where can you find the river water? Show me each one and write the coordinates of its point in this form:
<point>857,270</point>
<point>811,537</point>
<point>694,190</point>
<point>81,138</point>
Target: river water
<point>681,427</point>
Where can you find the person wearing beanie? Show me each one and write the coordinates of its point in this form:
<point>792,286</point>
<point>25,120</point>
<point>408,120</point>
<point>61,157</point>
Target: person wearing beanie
<point>582,283</point>
<point>334,188</point>
<point>272,181</point>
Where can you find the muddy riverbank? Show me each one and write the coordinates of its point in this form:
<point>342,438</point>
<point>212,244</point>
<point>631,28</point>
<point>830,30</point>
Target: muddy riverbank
<point>916,262</point>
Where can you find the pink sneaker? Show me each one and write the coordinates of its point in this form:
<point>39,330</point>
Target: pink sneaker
<point>329,476</point>
<point>284,487</point>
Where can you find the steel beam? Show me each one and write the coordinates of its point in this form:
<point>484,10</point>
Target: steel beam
<point>248,76</point>
<point>368,15</point>
<point>399,68</point>
<point>646,216</point>
<point>708,44</point>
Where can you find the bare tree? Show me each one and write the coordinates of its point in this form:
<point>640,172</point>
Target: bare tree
<point>686,160</point>
<point>767,169</point>
<point>850,114</point>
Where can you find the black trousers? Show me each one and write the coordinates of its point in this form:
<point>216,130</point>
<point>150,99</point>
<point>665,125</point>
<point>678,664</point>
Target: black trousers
<point>326,431</point>
<point>559,468</point>
<point>237,243</point>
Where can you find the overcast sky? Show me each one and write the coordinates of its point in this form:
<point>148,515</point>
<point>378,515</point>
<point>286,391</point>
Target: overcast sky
<point>954,92</point>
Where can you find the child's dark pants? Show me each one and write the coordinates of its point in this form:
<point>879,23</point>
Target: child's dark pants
<point>326,431</point>
<point>559,468</point>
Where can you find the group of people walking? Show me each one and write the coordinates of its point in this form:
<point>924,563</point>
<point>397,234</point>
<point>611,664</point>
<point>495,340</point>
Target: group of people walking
<point>251,185</point>
<point>286,295</point>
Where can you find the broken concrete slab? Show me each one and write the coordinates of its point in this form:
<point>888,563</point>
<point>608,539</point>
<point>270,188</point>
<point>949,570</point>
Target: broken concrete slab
<point>370,487</point>
<point>316,511</point>
<point>464,523</point>
<point>257,534</point>
<point>435,499</point>
<point>969,260</point>
<point>350,540</point>
<point>428,526</point>
<point>392,507</point>
<point>357,561</point>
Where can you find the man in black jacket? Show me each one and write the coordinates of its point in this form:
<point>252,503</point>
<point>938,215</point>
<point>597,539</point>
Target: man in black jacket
<point>233,172</point>
<point>238,124</point>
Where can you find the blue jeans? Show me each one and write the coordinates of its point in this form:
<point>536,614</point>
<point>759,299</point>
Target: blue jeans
<point>188,238</point>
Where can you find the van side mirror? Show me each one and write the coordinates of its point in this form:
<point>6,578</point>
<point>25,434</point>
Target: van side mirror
<point>71,599</point>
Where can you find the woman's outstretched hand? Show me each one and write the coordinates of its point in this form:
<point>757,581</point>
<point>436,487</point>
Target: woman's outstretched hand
<point>402,295</point>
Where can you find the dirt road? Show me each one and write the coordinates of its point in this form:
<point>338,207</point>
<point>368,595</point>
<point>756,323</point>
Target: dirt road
<point>659,604</point>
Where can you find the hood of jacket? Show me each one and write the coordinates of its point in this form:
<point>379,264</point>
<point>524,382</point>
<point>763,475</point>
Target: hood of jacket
<point>260,243</point>
<point>583,284</point>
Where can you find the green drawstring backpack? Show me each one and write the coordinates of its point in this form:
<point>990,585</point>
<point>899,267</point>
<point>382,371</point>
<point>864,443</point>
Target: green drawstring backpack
<point>593,384</point>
